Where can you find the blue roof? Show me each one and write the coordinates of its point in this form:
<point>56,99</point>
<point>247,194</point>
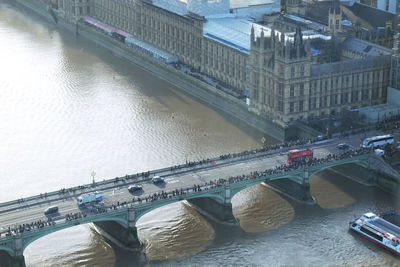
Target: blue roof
<point>227,42</point>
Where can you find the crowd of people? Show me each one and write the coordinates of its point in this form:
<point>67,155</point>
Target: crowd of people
<point>391,123</point>
<point>195,188</point>
<point>206,186</point>
<point>254,175</point>
<point>28,227</point>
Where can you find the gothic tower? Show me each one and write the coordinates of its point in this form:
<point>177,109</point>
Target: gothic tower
<point>335,17</point>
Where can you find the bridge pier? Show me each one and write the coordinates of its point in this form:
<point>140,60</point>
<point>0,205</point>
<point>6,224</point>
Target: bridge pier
<point>125,236</point>
<point>300,191</point>
<point>216,209</point>
<point>18,261</point>
<point>6,260</point>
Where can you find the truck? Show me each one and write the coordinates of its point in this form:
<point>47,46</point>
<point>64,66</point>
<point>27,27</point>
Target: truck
<point>90,198</point>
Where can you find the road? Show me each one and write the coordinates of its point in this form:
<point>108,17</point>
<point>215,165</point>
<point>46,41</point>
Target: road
<point>32,210</point>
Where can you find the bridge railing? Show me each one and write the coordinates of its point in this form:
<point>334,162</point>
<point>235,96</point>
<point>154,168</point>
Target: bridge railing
<point>168,171</point>
<point>107,214</point>
<point>178,169</point>
<point>296,174</point>
<point>210,190</point>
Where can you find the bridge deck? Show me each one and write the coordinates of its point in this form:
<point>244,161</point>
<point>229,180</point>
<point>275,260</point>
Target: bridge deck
<point>32,210</point>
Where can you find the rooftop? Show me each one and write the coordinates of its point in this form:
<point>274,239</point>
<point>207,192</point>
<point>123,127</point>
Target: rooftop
<point>365,48</point>
<point>180,6</point>
<point>246,3</point>
<point>236,32</point>
<point>175,6</point>
<point>369,15</point>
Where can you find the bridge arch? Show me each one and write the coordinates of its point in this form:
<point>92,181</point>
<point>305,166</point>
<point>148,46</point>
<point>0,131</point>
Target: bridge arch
<point>8,250</point>
<point>362,162</point>
<point>50,229</point>
<point>237,188</point>
<point>158,204</point>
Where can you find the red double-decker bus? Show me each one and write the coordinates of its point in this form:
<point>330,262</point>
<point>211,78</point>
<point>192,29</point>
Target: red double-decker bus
<point>299,155</point>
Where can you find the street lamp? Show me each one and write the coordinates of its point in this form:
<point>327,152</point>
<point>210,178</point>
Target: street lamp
<point>93,174</point>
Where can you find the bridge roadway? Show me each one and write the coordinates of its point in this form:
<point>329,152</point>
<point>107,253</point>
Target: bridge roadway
<point>32,209</point>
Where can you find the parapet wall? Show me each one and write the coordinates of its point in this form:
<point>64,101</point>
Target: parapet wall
<point>348,66</point>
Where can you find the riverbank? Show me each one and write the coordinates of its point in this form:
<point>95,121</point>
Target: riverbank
<point>199,89</point>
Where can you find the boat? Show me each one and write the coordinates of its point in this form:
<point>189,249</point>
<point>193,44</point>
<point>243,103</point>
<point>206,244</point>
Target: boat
<point>377,229</point>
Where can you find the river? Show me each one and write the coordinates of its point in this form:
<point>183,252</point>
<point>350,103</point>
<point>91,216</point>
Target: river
<point>68,107</point>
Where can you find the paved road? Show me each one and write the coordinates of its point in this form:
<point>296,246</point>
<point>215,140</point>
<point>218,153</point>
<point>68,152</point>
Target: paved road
<point>28,211</point>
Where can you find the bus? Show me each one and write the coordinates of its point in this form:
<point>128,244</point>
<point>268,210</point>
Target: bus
<point>380,140</point>
<point>299,155</point>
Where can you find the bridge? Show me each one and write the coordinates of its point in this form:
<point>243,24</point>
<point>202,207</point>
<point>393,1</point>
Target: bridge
<point>209,185</point>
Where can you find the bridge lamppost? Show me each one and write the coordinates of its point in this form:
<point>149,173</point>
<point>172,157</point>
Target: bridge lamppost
<point>93,174</point>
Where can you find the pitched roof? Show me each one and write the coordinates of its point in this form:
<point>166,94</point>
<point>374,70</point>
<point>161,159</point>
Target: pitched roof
<point>373,16</point>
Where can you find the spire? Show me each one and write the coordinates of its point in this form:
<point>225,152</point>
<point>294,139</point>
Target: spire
<point>298,37</point>
<point>252,33</point>
<point>335,7</point>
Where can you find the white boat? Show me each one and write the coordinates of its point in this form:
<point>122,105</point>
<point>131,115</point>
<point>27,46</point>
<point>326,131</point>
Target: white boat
<point>378,230</point>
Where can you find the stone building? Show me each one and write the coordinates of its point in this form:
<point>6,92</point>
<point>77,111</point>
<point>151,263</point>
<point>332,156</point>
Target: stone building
<point>289,75</point>
<point>72,10</point>
<point>286,85</point>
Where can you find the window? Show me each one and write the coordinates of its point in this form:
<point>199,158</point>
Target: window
<point>301,91</point>
<point>280,106</point>
<point>292,72</point>
<point>291,90</point>
<point>255,95</point>
<point>301,105</point>
<point>301,71</point>
<point>280,89</point>
<point>291,107</point>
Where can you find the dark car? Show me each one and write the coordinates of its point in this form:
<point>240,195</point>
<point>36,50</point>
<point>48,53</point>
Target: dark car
<point>51,210</point>
<point>134,188</point>
<point>343,146</point>
<point>157,179</point>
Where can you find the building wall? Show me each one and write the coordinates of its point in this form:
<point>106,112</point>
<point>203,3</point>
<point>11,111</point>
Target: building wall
<point>283,82</point>
<point>224,63</point>
<point>72,10</point>
<point>179,35</point>
<point>284,85</point>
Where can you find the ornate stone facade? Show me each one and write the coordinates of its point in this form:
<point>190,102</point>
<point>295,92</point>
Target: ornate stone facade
<point>284,82</point>
<point>286,86</point>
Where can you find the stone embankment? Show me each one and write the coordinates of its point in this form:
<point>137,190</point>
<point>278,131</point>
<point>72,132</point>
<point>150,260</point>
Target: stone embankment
<point>201,90</point>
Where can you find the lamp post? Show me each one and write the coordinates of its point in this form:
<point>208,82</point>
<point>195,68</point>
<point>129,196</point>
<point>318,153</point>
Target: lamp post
<point>93,174</point>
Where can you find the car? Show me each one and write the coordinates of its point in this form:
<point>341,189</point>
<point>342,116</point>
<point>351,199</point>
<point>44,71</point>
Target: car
<point>51,210</point>
<point>343,146</point>
<point>134,188</point>
<point>157,179</point>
